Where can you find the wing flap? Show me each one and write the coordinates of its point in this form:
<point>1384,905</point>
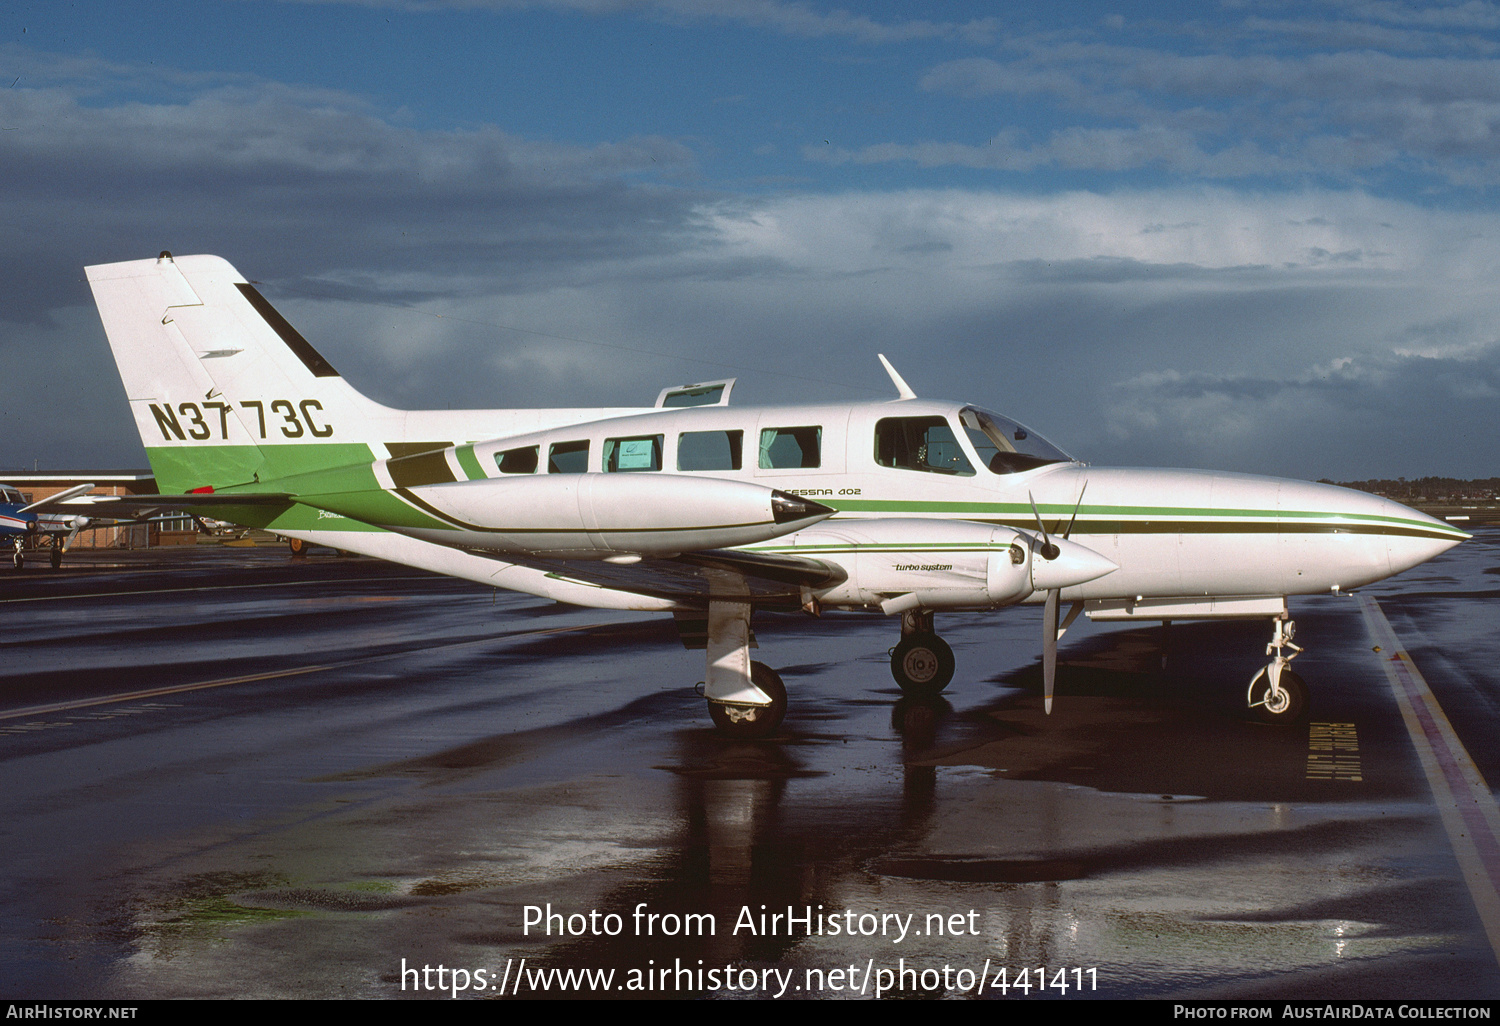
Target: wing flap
<point>769,578</point>
<point>143,505</point>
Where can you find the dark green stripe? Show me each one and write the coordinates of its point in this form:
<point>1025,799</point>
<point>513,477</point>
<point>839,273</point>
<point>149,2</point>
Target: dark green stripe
<point>1007,510</point>
<point>399,449</point>
<point>422,504</point>
<point>1112,527</point>
<point>423,469</point>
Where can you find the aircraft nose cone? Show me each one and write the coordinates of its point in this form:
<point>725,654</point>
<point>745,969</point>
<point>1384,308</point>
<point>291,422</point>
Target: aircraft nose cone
<point>1075,564</point>
<point>1419,538</point>
<point>787,508</point>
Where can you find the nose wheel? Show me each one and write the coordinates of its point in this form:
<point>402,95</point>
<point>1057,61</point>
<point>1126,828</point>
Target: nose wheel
<point>1277,693</point>
<point>922,664</point>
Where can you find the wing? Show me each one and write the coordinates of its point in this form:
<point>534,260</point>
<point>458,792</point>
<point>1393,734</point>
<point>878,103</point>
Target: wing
<point>767,578</point>
<point>142,507</point>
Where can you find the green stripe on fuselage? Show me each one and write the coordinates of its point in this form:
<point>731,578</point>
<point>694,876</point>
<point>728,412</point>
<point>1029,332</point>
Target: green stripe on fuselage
<point>1158,519</point>
<point>469,462</point>
<point>182,468</point>
<point>337,478</point>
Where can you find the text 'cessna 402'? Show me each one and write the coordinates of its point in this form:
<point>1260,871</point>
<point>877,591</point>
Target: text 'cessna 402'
<point>709,511</point>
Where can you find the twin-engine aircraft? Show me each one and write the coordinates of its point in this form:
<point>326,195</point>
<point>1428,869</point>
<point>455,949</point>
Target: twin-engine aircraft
<point>710,511</point>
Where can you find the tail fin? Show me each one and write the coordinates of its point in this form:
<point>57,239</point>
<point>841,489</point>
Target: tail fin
<point>223,389</point>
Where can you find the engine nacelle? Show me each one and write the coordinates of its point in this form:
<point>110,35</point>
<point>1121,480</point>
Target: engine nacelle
<point>941,564</point>
<point>591,516</point>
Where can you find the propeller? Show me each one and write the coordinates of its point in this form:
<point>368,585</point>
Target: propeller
<point>1048,550</point>
<point>1050,633</point>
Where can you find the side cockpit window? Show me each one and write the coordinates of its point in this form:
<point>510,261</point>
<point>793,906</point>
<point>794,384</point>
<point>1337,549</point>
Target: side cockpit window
<point>920,443</point>
<point>791,447</point>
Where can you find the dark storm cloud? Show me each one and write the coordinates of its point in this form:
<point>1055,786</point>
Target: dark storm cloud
<point>1347,419</point>
<point>306,182</point>
<point>1221,115</point>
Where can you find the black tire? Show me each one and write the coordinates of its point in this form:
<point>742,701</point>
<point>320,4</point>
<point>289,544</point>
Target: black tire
<point>922,664</point>
<point>752,721</point>
<point>56,557</point>
<point>298,547</point>
<point>1294,704</point>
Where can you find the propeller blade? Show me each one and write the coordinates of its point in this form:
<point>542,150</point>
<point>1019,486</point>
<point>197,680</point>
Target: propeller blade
<point>1048,550</point>
<point>1049,649</point>
<point>1077,506</point>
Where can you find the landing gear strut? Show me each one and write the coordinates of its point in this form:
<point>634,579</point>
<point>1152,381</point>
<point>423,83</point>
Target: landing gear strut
<point>751,721</point>
<point>745,699</point>
<point>922,663</point>
<point>1277,693</point>
<point>19,559</point>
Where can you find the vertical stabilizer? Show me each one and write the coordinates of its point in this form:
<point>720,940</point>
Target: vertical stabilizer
<point>222,388</point>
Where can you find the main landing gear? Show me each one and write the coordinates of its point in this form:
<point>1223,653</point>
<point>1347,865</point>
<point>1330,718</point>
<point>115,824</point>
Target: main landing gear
<point>922,663</point>
<point>19,559</point>
<point>1277,693</point>
<point>745,699</point>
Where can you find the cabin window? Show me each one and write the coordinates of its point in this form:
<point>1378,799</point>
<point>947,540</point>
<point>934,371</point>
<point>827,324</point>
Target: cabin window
<point>710,450</point>
<point>568,458</point>
<point>624,454</point>
<point>518,461</point>
<point>920,443</point>
<point>791,447</point>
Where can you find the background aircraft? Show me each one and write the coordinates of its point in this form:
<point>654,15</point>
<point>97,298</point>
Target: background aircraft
<point>21,521</point>
<point>710,511</point>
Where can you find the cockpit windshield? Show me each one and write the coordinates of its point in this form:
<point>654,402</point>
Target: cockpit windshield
<point>1005,446</point>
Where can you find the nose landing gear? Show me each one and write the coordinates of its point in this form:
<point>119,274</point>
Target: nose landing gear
<point>1277,693</point>
<point>921,663</point>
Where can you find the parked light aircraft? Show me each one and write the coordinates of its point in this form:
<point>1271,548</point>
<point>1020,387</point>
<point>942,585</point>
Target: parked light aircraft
<point>20,521</point>
<point>710,511</point>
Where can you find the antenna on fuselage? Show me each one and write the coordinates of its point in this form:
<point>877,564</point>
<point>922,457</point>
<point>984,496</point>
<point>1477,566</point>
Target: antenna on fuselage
<point>903,390</point>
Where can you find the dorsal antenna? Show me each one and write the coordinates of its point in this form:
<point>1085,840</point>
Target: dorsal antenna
<point>903,390</point>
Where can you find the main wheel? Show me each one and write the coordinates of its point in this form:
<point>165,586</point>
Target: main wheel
<point>751,721</point>
<point>298,546</point>
<point>922,664</point>
<point>56,556</point>
<point>1288,707</point>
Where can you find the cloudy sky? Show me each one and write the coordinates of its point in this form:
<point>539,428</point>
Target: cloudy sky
<point>1252,236</point>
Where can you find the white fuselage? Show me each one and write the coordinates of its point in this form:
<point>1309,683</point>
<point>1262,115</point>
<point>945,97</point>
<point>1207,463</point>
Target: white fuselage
<point>1203,538</point>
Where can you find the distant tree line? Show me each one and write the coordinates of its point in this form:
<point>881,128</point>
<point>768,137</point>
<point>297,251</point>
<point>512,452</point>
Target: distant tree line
<point>1429,489</point>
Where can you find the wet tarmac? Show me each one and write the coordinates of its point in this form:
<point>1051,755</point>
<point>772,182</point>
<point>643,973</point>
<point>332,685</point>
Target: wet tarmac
<point>224,773</point>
